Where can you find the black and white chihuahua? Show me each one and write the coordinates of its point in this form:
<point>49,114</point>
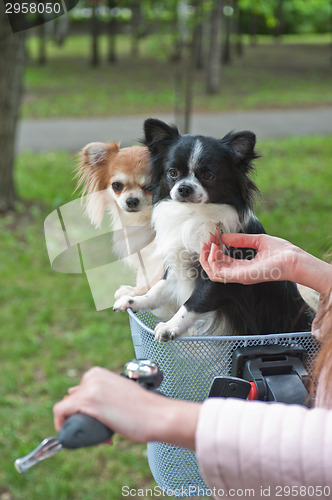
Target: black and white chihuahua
<point>200,184</point>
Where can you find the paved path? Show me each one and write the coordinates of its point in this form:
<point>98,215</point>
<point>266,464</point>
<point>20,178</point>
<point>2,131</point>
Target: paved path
<point>72,134</point>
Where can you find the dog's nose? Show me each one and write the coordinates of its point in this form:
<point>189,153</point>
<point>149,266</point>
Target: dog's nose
<point>132,202</point>
<point>185,190</point>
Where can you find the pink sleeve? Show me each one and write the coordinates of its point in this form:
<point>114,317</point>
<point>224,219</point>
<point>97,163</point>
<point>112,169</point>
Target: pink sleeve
<point>251,444</point>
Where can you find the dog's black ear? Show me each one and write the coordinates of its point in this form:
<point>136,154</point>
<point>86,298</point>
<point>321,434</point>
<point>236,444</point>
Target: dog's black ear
<point>242,146</point>
<point>158,132</point>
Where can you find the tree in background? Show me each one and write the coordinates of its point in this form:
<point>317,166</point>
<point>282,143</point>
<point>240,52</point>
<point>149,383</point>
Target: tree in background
<point>137,26</point>
<point>112,27</point>
<point>198,35</point>
<point>213,66</point>
<point>238,28</point>
<point>280,27</point>
<point>95,32</point>
<point>227,17</point>
<point>42,58</point>
<point>280,16</point>
<point>11,73</point>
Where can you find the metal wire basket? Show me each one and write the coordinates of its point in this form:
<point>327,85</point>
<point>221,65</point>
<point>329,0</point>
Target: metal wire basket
<point>189,365</point>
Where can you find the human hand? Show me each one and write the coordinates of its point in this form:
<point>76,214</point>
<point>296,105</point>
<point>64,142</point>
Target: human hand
<point>110,398</point>
<point>128,409</point>
<point>276,259</point>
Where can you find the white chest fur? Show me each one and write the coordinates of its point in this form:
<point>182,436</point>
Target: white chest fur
<point>181,229</point>
<point>185,226</point>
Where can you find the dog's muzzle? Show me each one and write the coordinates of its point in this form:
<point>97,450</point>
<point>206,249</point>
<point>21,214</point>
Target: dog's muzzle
<point>132,204</point>
<point>185,190</point>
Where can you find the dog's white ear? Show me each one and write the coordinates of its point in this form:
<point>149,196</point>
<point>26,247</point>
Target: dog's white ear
<point>97,152</point>
<point>158,132</point>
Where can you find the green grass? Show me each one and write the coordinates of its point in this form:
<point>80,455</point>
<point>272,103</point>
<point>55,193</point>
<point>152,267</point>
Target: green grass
<point>295,179</point>
<point>51,333</point>
<point>291,74</point>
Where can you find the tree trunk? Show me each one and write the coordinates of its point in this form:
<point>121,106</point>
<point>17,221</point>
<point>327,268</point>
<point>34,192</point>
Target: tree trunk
<point>238,29</point>
<point>112,29</point>
<point>279,30</point>
<point>61,29</point>
<point>253,21</point>
<point>174,29</point>
<point>214,55</point>
<point>184,70</point>
<point>42,43</point>
<point>95,59</point>
<point>226,46</point>
<point>137,28</point>
<point>112,42</point>
<point>198,35</point>
<point>198,46</point>
<point>11,72</point>
<point>184,80</point>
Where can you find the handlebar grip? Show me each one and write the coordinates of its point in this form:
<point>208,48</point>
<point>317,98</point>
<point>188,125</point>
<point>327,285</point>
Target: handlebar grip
<point>81,430</point>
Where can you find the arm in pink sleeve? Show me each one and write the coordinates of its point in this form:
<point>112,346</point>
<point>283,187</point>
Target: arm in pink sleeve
<point>251,444</point>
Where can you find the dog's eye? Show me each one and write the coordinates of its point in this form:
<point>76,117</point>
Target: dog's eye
<point>117,186</point>
<point>173,173</point>
<point>148,188</point>
<point>208,176</point>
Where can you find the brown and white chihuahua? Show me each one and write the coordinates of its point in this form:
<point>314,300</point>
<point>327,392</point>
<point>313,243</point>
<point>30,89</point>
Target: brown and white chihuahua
<point>116,181</point>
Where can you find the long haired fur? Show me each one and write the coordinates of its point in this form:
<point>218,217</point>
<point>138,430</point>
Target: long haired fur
<point>200,184</point>
<point>323,365</point>
<point>116,181</point>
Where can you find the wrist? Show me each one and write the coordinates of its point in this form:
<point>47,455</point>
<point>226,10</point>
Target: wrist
<point>312,272</point>
<point>173,421</point>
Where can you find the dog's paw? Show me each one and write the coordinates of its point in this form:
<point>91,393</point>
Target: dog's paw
<point>123,303</point>
<point>125,290</point>
<point>164,332</point>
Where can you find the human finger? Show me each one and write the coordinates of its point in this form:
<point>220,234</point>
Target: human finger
<point>242,240</point>
<point>205,252</point>
<point>61,411</point>
<point>203,258</point>
<point>218,256</point>
<point>73,389</point>
<point>215,237</point>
